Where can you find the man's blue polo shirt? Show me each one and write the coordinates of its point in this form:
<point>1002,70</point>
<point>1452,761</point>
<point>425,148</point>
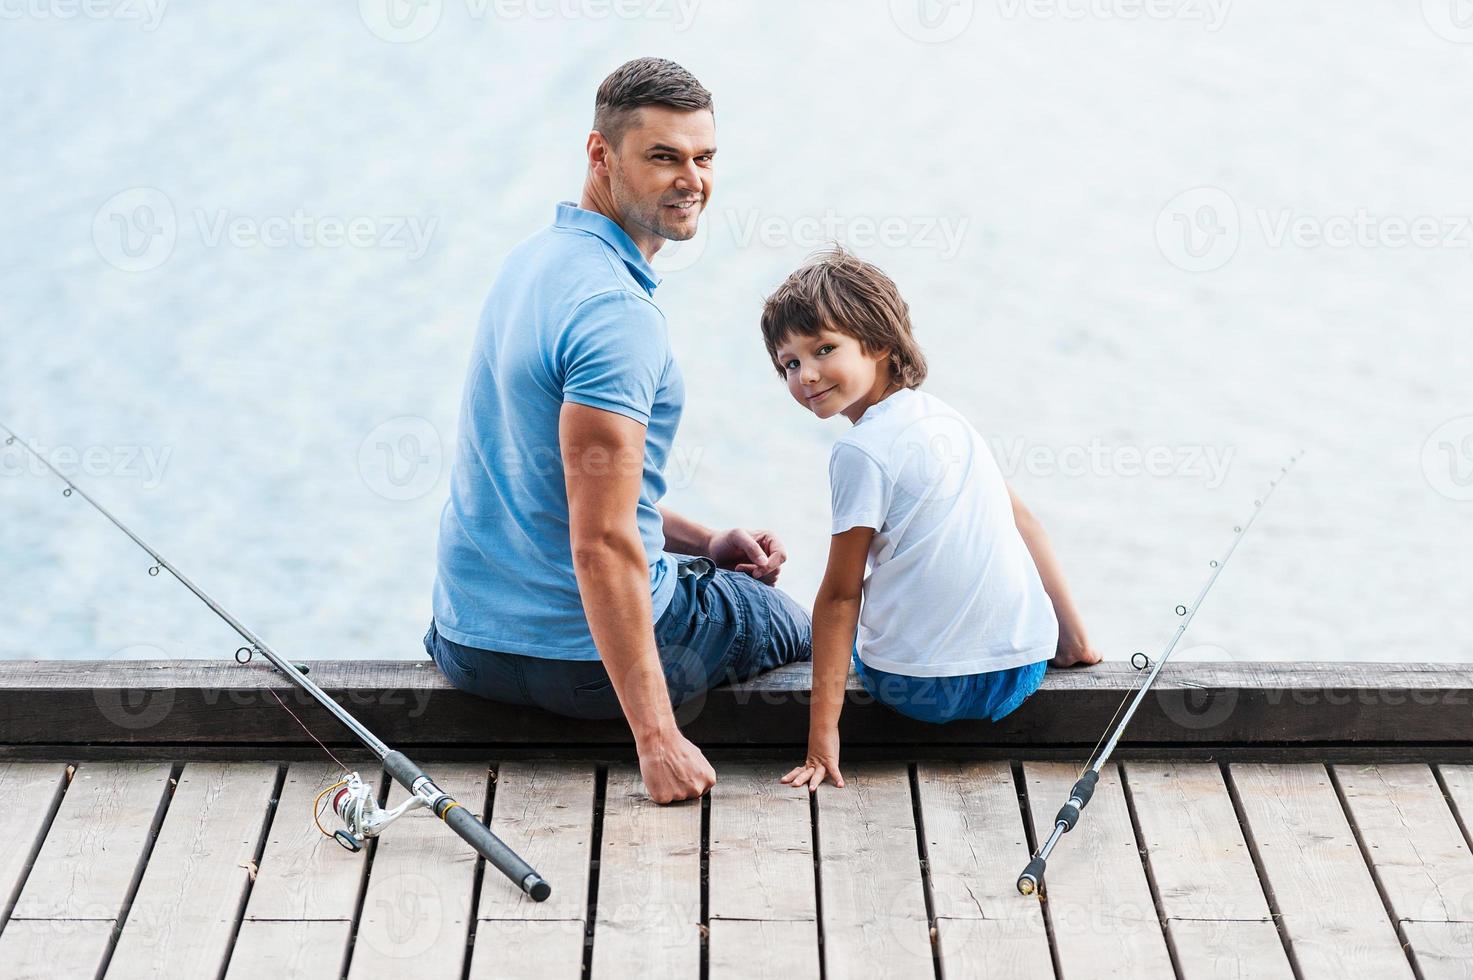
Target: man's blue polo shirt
<point>569,319</point>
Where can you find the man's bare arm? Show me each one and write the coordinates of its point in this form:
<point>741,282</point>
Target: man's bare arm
<point>684,536</point>
<point>603,455</point>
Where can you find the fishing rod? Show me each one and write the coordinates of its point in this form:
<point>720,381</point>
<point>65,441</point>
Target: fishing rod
<point>1084,787</point>
<point>353,799</point>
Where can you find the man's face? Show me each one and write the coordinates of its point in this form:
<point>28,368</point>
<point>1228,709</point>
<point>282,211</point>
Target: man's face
<point>661,173</point>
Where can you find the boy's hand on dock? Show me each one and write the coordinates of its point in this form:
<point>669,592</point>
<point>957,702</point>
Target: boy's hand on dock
<point>822,762</point>
<point>1075,652</point>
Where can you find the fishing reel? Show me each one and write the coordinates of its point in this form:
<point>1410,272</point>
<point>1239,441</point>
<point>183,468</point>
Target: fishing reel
<point>354,803</point>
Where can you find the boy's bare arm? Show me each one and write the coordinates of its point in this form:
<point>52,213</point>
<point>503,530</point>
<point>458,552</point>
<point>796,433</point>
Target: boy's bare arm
<point>1074,645</point>
<point>835,617</point>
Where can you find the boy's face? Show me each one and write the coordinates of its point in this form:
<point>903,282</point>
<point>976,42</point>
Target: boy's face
<point>832,373</point>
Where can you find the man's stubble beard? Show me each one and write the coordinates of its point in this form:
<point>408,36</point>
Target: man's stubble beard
<point>645,215</point>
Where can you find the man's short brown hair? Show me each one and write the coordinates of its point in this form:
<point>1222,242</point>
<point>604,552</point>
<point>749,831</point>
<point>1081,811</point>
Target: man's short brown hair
<point>834,290</point>
<point>642,82</point>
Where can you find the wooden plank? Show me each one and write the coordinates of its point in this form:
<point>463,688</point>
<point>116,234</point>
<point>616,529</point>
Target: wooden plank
<point>305,875</point>
<point>544,812</point>
<point>984,948</point>
<point>761,903</point>
<point>1198,856</point>
<point>1228,949</point>
<point>205,702</point>
<point>281,950</point>
<point>511,949</point>
<point>761,857</point>
<point>1217,918</point>
<point>649,883</point>
<point>1118,936</point>
<point>417,909</point>
<point>1459,782</point>
<point>1327,902</point>
<point>91,854</point>
<point>874,906</point>
<point>976,843</point>
<point>1412,840</point>
<point>769,950</point>
<point>1443,950</point>
<point>189,902</point>
<point>29,790</point>
<point>45,949</point>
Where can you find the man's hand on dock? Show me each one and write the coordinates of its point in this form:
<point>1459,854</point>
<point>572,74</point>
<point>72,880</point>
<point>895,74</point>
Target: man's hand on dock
<point>673,769</point>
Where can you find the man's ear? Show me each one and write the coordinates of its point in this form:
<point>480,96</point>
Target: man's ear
<point>598,154</point>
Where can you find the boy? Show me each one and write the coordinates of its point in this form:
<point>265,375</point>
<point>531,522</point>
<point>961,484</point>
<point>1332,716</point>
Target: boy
<point>965,604</point>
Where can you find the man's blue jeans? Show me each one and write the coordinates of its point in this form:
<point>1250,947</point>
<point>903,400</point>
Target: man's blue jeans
<point>721,626</point>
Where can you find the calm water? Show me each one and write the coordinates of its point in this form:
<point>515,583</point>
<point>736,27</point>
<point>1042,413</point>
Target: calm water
<point>1150,258</point>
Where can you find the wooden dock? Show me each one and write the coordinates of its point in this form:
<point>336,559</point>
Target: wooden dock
<point>1295,857</point>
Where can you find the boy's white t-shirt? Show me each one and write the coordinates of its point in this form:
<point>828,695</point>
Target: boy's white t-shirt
<point>952,588</point>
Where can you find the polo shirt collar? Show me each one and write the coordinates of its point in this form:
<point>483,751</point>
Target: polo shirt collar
<point>569,215</point>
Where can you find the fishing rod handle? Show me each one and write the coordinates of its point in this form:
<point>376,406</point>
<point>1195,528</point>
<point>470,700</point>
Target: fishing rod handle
<point>1079,798</point>
<point>1031,876</point>
<point>490,847</point>
<point>470,829</point>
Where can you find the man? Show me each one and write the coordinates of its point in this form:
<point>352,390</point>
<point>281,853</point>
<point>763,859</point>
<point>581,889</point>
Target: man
<point>561,583</point>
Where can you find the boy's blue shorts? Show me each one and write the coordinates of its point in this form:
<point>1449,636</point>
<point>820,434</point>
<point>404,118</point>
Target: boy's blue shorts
<point>990,696</point>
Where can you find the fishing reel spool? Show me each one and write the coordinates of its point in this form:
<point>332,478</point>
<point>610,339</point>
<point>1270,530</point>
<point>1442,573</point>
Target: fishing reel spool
<point>353,802</point>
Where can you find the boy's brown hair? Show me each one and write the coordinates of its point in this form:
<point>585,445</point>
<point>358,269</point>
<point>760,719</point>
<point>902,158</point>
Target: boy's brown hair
<point>835,290</point>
